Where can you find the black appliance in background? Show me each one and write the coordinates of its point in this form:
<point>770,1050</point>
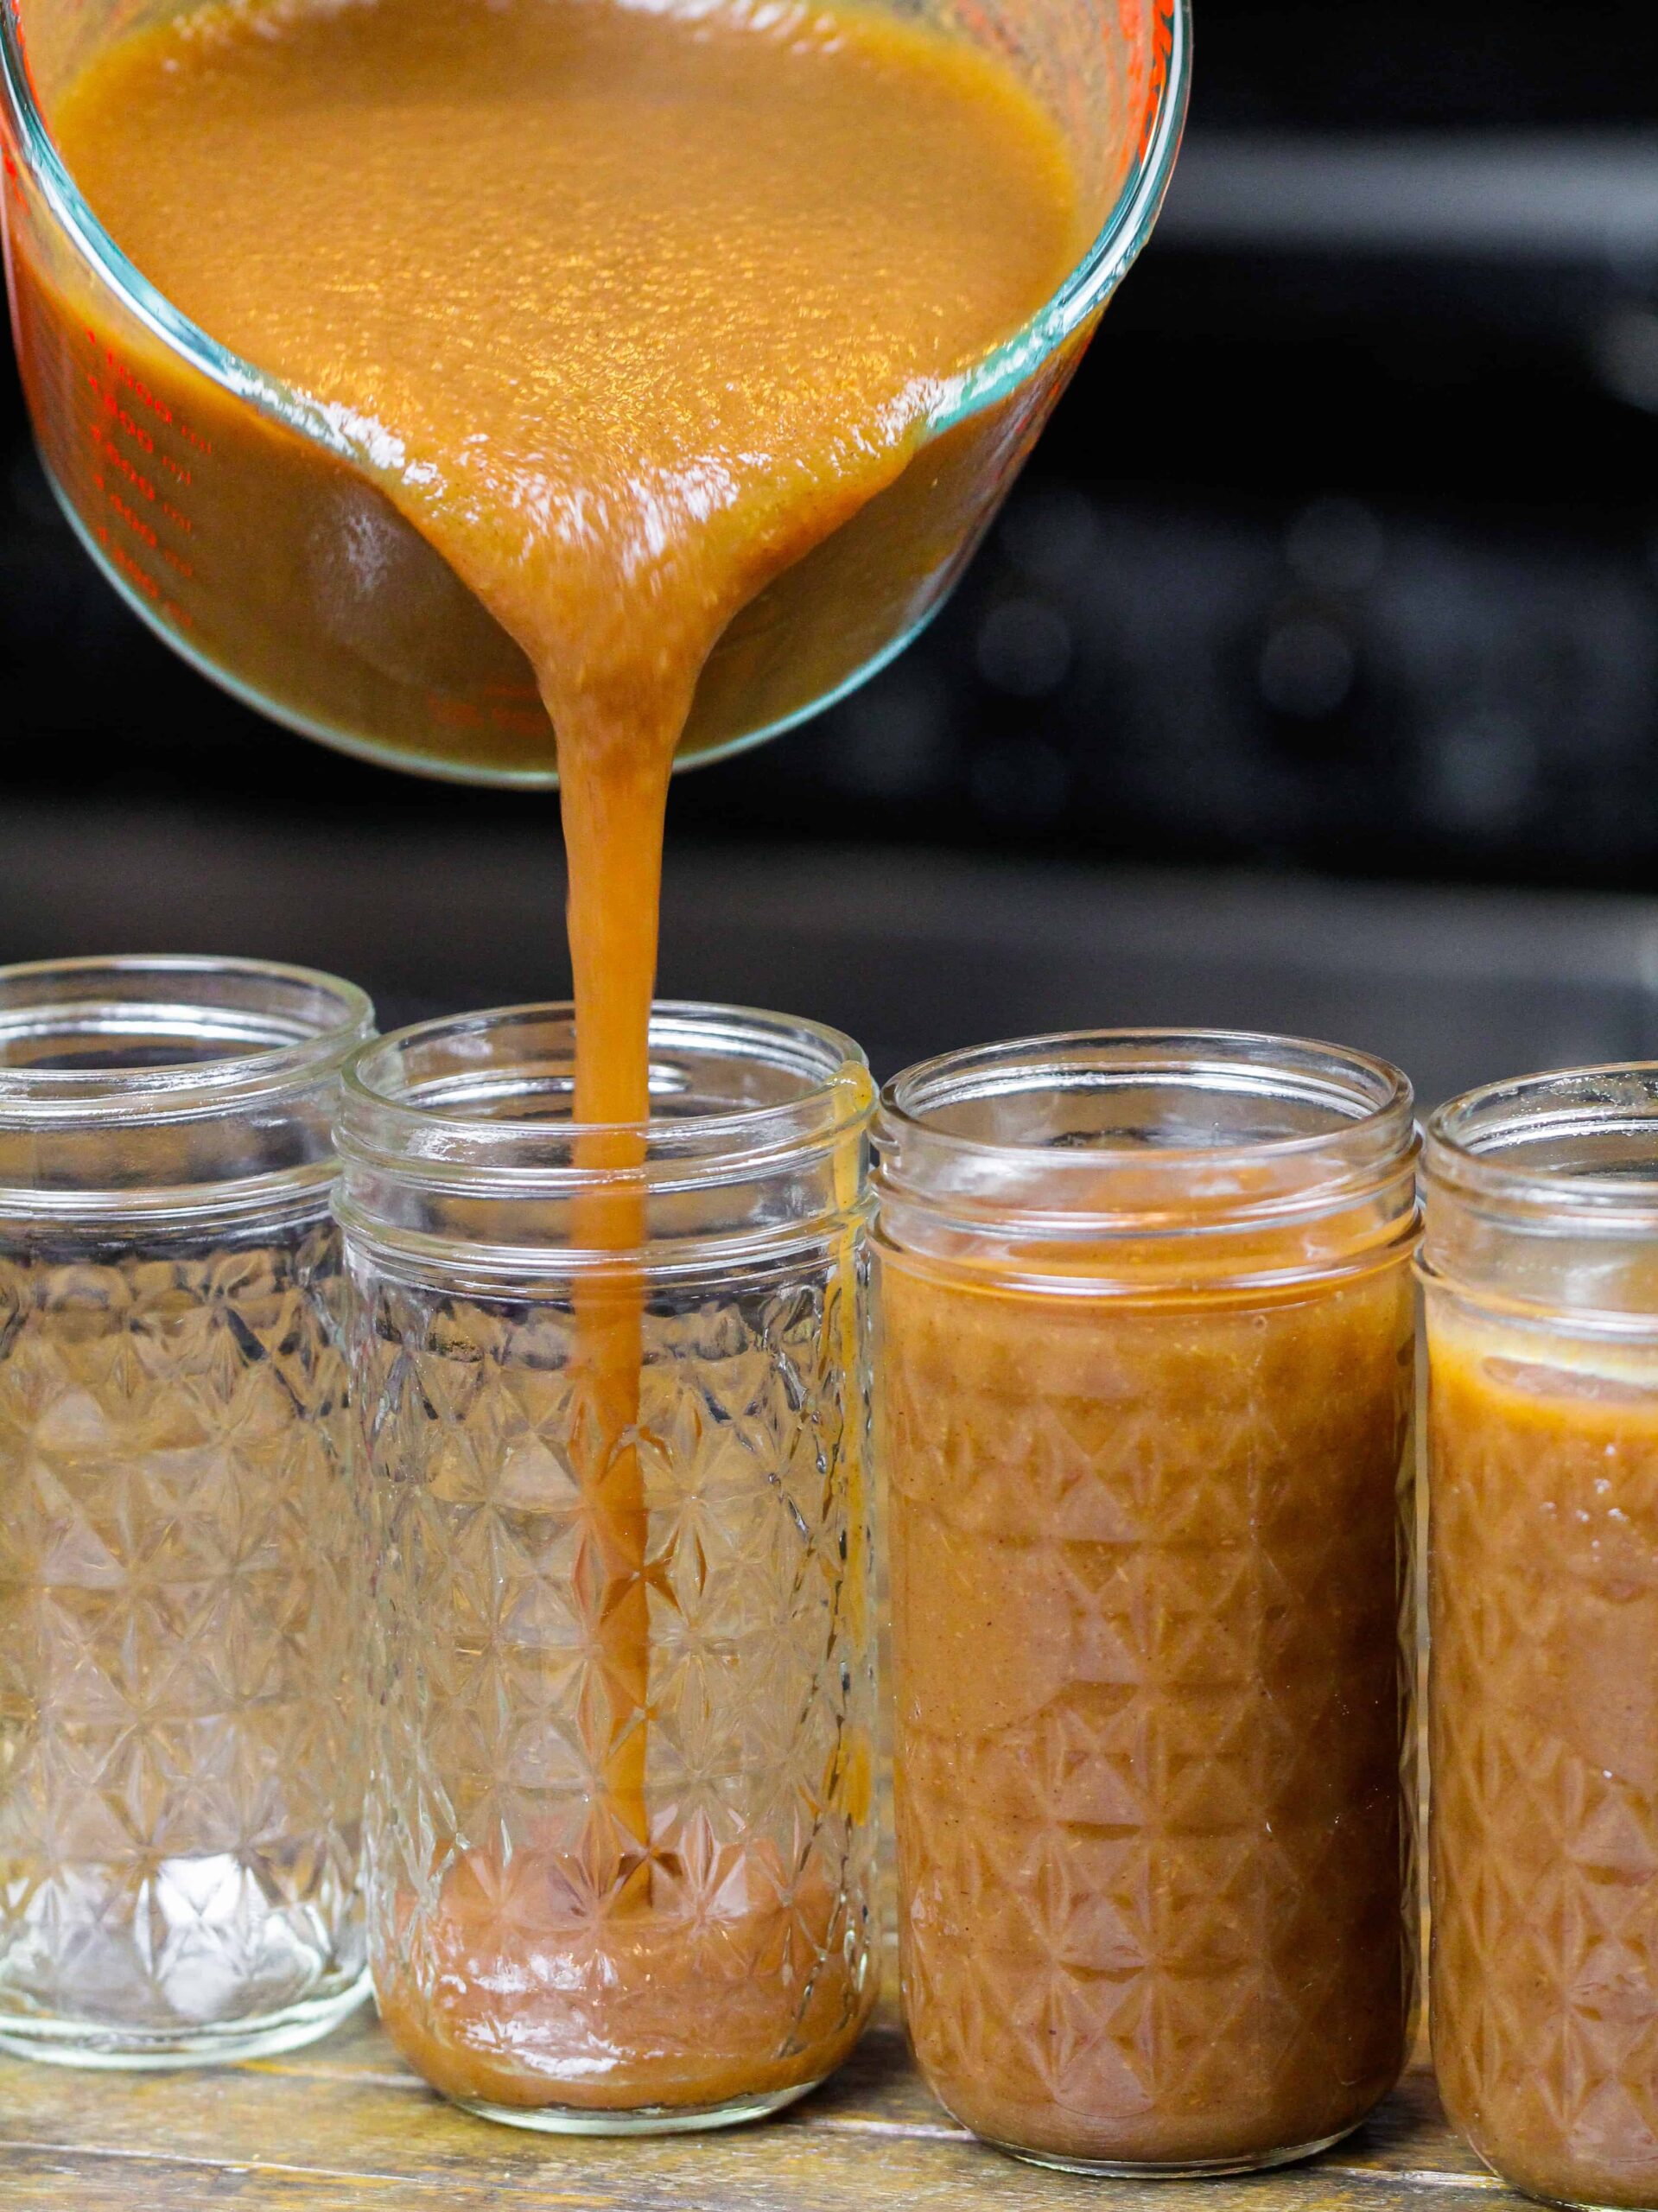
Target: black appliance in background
<point>1342,551</point>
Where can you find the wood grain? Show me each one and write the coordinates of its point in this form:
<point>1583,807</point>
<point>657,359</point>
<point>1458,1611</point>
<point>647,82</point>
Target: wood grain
<point>346,2127</point>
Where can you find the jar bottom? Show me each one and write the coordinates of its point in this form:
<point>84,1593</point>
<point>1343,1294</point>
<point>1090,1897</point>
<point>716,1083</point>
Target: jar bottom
<point>1173,2169</point>
<point>642,2120</point>
<point>132,2051</point>
<point>1587,2201</point>
<point>1584,2204</point>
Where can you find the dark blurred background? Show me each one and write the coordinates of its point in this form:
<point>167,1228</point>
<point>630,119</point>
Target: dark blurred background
<point>1339,561</point>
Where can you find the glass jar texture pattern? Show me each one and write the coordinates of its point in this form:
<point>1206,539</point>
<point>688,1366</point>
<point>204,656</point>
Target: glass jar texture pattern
<point>614,1479</point>
<point>180,1815</point>
<point>1542,1330</point>
<point>1147,1379</point>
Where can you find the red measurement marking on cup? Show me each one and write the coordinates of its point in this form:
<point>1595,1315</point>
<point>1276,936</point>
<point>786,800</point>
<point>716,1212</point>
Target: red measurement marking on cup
<point>140,578</point>
<point>108,454</point>
<point>105,397</point>
<point>135,523</point>
<point>126,430</point>
<point>1162,57</point>
<point>506,711</point>
<point>111,454</point>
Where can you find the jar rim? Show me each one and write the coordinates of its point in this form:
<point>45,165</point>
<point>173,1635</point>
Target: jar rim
<point>1362,1092</point>
<point>1561,1118</point>
<point>432,1129</point>
<point>1329,1154</point>
<point>281,1027</point>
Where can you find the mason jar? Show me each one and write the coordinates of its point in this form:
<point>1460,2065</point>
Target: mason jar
<point>1540,1264</point>
<point>612,1391</point>
<point>1146,1404</point>
<point>180,1740</point>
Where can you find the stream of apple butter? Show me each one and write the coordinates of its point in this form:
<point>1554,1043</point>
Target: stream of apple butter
<point>626,307</point>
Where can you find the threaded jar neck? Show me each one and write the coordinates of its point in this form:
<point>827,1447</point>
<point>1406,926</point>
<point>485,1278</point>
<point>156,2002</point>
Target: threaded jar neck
<point>459,1151</point>
<point>169,1087</point>
<point>1542,1196</point>
<point>1149,1162</point>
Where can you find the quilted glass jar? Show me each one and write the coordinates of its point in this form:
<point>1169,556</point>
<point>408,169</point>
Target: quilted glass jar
<point>1146,1366</point>
<point>180,1781</point>
<point>613,1396</point>
<point>1542,1270</point>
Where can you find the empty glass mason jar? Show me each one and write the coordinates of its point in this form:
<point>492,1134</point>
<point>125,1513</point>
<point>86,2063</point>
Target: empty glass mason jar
<point>612,1391</point>
<point>1540,1264</point>
<point>180,1763</point>
<point>1146,1397</point>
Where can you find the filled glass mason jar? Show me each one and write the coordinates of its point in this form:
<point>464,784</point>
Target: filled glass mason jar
<point>1540,1264</point>
<point>180,1772</point>
<point>613,1395</point>
<point>1146,1368</point>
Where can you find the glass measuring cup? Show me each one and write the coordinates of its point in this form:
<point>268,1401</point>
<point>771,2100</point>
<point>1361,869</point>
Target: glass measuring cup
<point>251,531</point>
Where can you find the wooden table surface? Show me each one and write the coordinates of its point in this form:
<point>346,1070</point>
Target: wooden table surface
<point>344,2126</point>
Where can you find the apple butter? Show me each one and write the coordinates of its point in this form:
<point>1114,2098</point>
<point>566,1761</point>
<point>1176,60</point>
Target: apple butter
<point>1145,1421</point>
<point>1542,1329</point>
